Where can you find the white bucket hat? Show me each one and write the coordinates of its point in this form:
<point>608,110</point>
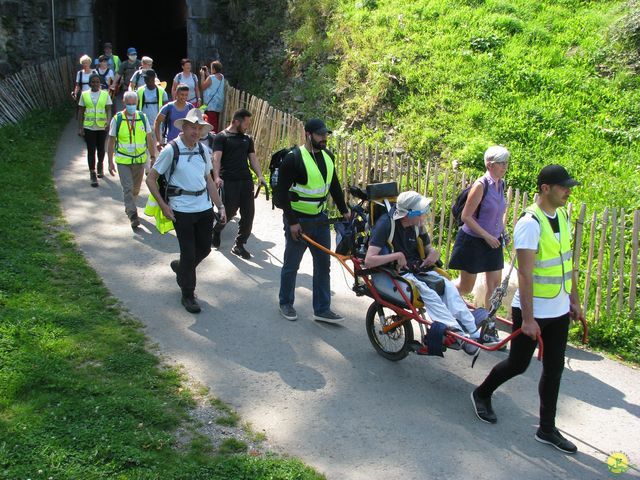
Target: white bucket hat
<point>412,204</point>
<point>194,117</point>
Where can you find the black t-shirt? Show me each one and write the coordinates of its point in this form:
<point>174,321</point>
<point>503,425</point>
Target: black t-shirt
<point>235,148</point>
<point>404,239</point>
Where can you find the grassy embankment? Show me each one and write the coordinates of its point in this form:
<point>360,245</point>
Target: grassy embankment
<point>80,395</point>
<point>554,81</point>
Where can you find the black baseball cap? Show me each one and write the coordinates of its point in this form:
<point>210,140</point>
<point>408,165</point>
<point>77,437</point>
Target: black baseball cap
<point>149,73</point>
<point>556,175</point>
<point>315,125</point>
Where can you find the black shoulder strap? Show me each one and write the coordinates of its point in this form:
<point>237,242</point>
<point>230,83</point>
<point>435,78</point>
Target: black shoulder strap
<point>485,187</point>
<point>174,161</point>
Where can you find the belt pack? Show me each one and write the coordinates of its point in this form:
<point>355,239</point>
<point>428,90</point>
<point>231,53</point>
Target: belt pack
<point>176,192</point>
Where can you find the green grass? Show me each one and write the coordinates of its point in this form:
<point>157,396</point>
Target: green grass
<point>80,395</point>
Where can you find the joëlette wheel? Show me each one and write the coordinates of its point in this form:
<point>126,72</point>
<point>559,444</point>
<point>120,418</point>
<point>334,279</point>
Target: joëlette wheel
<point>392,345</point>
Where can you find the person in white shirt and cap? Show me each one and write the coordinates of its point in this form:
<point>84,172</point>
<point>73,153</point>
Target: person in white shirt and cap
<point>190,191</point>
<point>395,238</point>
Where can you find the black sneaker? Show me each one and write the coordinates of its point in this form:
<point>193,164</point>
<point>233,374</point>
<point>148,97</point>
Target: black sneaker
<point>175,264</point>
<point>555,439</point>
<point>94,179</point>
<point>288,312</point>
<point>328,317</point>
<point>483,409</point>
<point>135,221</point>
<point>100,170</point>
<point>190,304</point>
<point>215,240</point>
<point>239,250</point>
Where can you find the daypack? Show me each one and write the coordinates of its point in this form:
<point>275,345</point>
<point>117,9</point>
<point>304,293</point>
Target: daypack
<point>461,200</point>
<point>274,172</point>
<point>165,179</point>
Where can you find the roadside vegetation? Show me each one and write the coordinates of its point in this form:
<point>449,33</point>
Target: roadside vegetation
<point>81,396</point>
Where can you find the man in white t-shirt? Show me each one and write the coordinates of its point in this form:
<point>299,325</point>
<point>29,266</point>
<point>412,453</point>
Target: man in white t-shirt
<point>189,193</point>
<point>545,301</point>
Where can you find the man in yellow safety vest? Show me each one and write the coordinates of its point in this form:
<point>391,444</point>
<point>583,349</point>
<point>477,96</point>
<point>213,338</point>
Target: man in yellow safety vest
<point>545,301</point>
<point>130,138</point>
<point>306,178</point>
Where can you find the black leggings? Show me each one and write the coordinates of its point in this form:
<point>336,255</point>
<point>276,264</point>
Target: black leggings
<point>194,236</point>
<point>95,141</point>
<point>554,335</point>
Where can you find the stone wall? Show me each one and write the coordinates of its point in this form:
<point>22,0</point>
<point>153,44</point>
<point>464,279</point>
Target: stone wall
<point>25,34</point>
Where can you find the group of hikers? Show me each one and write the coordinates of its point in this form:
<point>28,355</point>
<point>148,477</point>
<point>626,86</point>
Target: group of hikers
<point>191,171</point>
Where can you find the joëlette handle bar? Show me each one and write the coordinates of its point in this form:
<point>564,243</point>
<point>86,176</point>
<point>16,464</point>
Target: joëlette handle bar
<point>414,314</point>
<point>266,191</point>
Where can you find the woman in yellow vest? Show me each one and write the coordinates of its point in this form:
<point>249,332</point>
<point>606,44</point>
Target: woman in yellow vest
<point>94,118</point>
<point>546,299</point>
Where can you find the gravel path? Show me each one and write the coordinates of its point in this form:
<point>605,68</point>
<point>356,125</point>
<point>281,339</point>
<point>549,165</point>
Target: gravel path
<point>320,391</point>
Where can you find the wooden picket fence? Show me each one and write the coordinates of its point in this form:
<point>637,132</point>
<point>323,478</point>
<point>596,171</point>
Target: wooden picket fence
<point>46,85</point>
<point>605,243</point>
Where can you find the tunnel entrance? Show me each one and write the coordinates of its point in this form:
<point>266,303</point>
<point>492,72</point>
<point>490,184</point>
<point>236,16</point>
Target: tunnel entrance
<point>157,30</point>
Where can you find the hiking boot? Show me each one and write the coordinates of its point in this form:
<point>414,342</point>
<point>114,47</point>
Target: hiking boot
<point>135,221</point>
<point>555,439</point>
<point>215,240</point>
<point>190,304</point>
<point>175,264</point>
<point>288,312</point>
<point>482,407</point>
<point>100,170</point>
<point>94,179</point>
<point>328,317</point>
<point>239,250</point>
<point>490,338</point>
<point>470,348</point>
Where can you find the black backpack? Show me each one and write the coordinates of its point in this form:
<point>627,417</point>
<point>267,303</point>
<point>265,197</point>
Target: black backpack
<point>461,200</point>
<point>274,172</point>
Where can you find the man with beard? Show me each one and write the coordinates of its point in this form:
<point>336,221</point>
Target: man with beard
<point>232,147</point>
<point>546,300</point>
<point>306,177</point>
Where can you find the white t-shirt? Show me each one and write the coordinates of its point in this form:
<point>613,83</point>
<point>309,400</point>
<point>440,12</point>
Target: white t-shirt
<point>150,105</point>
<point>526,236</point>
<point>83,79</point>
<point>190,81</point>
<point>94,99</point>
<point>107,76</point>
<point>189,174</point>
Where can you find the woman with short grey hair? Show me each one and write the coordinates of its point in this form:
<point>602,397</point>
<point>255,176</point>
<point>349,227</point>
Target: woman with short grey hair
<point>479,243</point>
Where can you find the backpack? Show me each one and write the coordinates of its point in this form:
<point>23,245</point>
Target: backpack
<point>274,172</point>
<point>165,179</point>
<point>461,201</point>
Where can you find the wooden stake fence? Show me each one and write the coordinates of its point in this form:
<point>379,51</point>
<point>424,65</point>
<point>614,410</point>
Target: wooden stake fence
<point>46,85</point>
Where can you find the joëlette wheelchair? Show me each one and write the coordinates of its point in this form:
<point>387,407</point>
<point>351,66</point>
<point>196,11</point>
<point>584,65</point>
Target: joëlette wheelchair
<point>396,301</point>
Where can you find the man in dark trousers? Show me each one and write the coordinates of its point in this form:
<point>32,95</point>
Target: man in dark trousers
<point>232,147</point>
<point>306,178</point>
<point>546,299</point>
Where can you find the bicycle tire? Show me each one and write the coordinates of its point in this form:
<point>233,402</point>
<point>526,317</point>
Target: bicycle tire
<point>392,345</point>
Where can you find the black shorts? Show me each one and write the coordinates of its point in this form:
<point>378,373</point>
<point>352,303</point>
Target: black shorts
<point>473,255</point>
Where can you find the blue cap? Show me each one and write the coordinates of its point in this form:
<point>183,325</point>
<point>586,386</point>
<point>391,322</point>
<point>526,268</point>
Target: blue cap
<point>132,51</point>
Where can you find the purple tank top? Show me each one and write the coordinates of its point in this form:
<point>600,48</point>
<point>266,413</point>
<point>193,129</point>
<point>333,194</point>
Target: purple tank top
<point>492,209</point>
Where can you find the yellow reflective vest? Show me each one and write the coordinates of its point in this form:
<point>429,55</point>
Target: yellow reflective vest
<point>310,198</point>
<point>553,268</point>
<point>131,139</point>
<point>95,114</point>
<point>142,102</point>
